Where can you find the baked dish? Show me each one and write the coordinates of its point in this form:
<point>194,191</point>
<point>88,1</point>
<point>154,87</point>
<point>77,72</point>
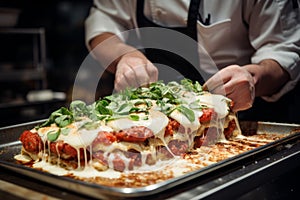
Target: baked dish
<point>137,129</point>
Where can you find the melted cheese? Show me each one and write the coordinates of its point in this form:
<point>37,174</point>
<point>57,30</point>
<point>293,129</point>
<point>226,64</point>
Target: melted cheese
<point>77,138</point>
<point>218,102</point>
<point>155,121</point>
<point>87,172</point>
<point>185,122</point>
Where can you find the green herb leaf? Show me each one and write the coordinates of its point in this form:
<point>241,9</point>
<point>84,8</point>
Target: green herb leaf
<point>198,87</point>
<point>102,109</point>
<point>53,135</point>
<point>80,109</point>
<point>90,125</point>
<point>135,110</point>
<point>65,131</point>
<point>196,105</point>
<point>124,108</point>
<point>61,118</point>
<point>186,112</point>
<point>190,86</point>
<point>134,117</point>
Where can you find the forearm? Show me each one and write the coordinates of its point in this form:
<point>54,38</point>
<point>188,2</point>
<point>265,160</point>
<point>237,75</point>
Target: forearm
<point>108,48</point>
<point>268,76</point>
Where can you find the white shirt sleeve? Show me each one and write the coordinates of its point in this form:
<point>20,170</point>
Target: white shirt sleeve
<point>274,32</point>
<point>112,16</point>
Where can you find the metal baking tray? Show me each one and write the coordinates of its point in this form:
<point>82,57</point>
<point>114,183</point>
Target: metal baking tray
<point>10,146</point>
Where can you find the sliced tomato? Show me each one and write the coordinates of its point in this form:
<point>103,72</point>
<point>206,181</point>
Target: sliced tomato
<point>172,126</point>
<point>207,115</point>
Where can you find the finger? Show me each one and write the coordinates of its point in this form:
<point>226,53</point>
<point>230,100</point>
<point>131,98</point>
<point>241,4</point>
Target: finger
<point>221,89</point>
<point>217,80</point>
<point>120,82</point>
<point>242,97</point>
<point>231,86</point>
<point>141,74</point>
<point>152,72</point>
<point>130,77</point>
<point>240,104</point>
<point>221,77</point>
<point>125,77</point>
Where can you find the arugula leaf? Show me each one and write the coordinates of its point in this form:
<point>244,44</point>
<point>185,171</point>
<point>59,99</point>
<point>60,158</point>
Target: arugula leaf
<point>198,87</point>
<point>186,112</point>
<point>149,104</point>
<point>63,120</point>
<point>80,109</point>
<point>196,105</point>
<point>124,108</point>
<point>65,131</point>
<point>102,109</point>
<point>134,117</point>
<point>90,125</point>
<point>61,117</point>
<point>137,110</point>
<point>110,98</point>
<point>190,86</point>
<point>53,135</point>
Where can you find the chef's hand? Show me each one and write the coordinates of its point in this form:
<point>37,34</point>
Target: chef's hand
<point>236,83</point>
<point>243,83</point>
<point>133,70</point>
<point>130,66</point>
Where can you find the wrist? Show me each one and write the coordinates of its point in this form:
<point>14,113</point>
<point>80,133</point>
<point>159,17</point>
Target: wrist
<point>109,49</point>
<point>268,77</point>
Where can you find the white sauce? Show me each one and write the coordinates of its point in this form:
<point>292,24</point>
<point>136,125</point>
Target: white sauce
<point>156,121</point>
<point>87,172</point>
<point>218,102</point>
<point>185,122</point>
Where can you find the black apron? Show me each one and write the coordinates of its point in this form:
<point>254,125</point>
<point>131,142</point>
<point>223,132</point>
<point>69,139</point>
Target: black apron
<point>165,59</point>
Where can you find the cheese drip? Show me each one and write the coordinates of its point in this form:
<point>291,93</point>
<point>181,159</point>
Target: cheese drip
<point>78,138</point>
<point>156,121</point>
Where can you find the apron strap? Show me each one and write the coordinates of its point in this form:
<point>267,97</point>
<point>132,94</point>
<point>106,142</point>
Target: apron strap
<point>192,18</point>
<point>166,58</point>
<point>190,29</point>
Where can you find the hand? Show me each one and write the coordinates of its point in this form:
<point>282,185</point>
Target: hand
<point>134,70</point>
<point>236,83</point>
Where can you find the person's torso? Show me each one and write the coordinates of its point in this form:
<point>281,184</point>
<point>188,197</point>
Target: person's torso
<point>226,37</point>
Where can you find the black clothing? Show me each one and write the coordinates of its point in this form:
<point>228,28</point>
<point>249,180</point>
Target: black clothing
<point>163,57</point>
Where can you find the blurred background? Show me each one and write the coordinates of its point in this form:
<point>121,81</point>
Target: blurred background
<point>42,47</point>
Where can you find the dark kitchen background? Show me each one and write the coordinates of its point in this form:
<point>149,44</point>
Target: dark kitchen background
<point>42,48</point>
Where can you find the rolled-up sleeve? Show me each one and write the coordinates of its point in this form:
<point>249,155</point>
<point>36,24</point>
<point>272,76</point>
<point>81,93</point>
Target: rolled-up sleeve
<point>112,16</point>
<point>274,32</point>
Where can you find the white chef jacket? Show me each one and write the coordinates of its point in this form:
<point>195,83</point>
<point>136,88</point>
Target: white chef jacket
<point>240,31</point>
